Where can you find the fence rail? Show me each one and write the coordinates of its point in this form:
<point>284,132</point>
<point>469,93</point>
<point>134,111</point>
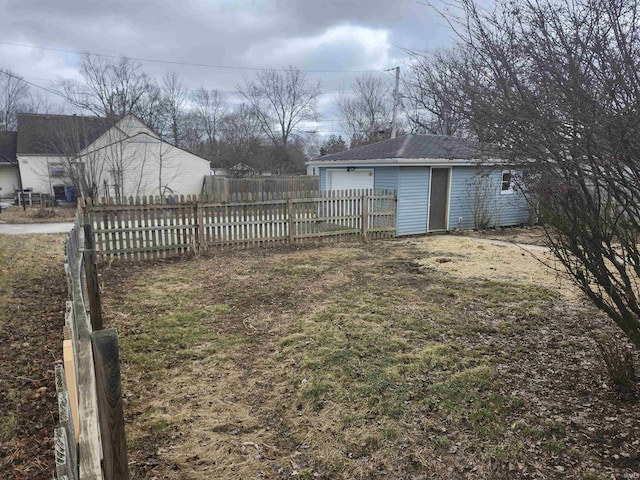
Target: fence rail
<point>89,442</point>
<point>149,228</point>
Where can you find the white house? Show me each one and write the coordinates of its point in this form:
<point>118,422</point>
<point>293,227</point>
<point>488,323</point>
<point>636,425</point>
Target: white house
<point>115,158</point>
<point>9,180</point>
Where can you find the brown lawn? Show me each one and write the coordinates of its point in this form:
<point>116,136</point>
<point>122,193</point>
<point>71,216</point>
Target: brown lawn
<point>434,357</point>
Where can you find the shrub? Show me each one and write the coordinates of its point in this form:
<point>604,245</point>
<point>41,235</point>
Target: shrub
<point>617,364</point>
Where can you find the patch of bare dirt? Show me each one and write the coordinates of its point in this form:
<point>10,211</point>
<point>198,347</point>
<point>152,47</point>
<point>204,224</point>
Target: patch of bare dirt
<point>32,296</point>
<point>526,235</point>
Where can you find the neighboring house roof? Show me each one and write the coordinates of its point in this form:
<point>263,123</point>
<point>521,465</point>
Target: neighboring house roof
<point>242,167</point>
<point>58,134</point>
<point>8,144</point>
<point>411,147</point>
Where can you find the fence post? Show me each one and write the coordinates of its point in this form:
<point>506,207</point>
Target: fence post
<point>291,222</point>
<point>93,289</point>
<point>91,272</point>
<point>365,216</point>
<point>198,215</point>
<point>110,410</point>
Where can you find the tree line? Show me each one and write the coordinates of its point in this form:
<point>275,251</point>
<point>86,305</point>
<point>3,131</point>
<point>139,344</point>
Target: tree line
<point>271,128</point>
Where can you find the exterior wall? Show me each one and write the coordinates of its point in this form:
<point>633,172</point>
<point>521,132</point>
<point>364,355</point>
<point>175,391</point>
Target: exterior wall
<point>385,178</point>
<point>413,200</point>
<point>471,186</point>
<point>34,170</point>
<point>9,182</point>
<point>148,166</point>
<point>145,165</point>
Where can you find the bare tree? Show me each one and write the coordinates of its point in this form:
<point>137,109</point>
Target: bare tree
<point>281,101</point>
<point>113,88</point>
<point>367,110</point>
<point>240,137</point>
<point>559,92</point>
<point>209,108</point>
<point>151,109</point>
<point>175,98</point>
<point>434,93</point>
<point>14,95</point>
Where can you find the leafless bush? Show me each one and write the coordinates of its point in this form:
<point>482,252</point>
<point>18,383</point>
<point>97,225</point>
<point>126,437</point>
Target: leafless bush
<point>617,365</point>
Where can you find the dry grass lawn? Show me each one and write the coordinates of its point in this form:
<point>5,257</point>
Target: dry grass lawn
<point>38,215</point>
<point>435,357</point>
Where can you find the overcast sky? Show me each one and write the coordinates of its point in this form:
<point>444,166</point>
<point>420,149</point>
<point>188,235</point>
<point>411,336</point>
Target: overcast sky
<point>39,37</point>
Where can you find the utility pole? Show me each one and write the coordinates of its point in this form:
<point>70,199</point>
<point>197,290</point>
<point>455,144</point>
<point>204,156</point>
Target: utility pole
<point>396,94</point>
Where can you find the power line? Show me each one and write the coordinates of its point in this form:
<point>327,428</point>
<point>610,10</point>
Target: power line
<point>33,84</point>
<point>188,64</point>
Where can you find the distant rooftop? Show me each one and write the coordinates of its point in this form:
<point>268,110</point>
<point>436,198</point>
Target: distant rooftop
<point>8,142</point>
<point>58,134</point>
<point>412,146</point>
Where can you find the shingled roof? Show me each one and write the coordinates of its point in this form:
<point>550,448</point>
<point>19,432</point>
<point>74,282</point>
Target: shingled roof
<point>58,134</point>
<point>8,143</point>
<point>412,146</point>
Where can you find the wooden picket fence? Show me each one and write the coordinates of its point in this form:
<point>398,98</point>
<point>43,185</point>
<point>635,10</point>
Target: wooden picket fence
<point>150,228</point>
<point>90,442</point>
<point>221,189</point>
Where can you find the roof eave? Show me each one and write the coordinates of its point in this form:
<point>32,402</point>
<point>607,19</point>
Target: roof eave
<point>408,162</point>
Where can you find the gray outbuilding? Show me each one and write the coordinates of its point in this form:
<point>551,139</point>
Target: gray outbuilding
<point>442,182</point>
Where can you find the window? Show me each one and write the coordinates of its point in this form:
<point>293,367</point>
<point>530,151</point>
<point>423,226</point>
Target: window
<point>507,183</point>
<point>56,171</point>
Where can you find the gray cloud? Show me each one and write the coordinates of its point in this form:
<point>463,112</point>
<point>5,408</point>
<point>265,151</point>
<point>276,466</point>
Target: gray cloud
<point>312,35</point>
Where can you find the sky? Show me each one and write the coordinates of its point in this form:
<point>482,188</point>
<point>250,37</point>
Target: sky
<point>332,40</point>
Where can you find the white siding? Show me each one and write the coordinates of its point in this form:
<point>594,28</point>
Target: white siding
<point>148,165</point>
<point>34,170</point>
<point>8,180</point>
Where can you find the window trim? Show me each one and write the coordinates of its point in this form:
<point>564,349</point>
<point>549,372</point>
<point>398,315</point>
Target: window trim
<point>56,170</point>
<point>511,189</point>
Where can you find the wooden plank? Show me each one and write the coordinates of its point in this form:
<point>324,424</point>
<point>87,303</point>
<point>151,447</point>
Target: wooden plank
<point>201,242</point>
<point>290,219</point>
<point>111,413</point>
<point>89,445</point>
<point>365,217</point>
<point>93,289</point>
<point>71,384</point>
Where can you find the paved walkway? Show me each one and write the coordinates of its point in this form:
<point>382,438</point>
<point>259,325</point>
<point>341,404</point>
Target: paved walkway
<point>500,243</point>
<point>34,228</point>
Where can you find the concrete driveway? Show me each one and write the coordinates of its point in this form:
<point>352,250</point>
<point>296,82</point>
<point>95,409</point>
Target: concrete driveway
<point>34,228</point>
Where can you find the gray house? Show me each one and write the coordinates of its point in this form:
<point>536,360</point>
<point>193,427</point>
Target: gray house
<point>442,182</point>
